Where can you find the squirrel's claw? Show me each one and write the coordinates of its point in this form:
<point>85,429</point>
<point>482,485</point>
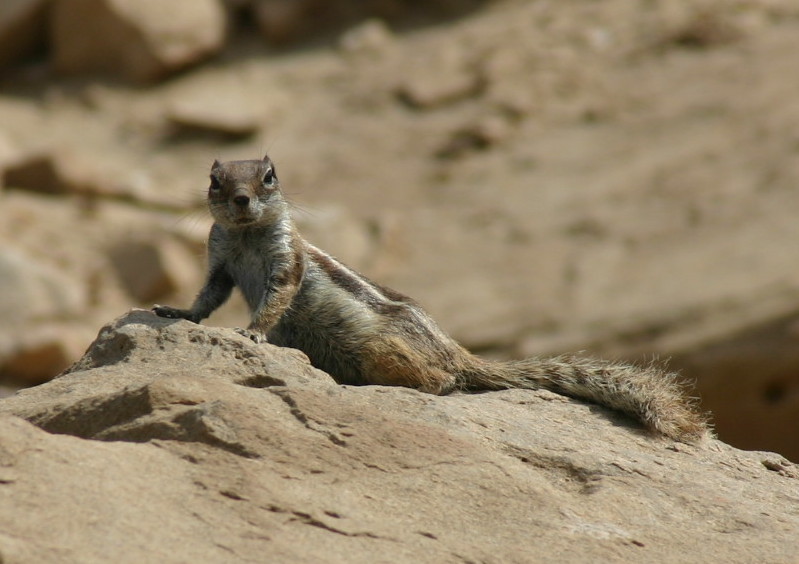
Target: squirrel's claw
<point>256,338</point>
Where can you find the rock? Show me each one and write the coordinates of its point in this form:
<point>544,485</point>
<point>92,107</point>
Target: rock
<point>33,290</point>
<point>38,173</point>
<point>43,352</point>
<point>22,29</point>
<point>137,335</point>
<point>151,269</point>
<point>434,87</point>
<point>213,115</point>
<point>57,172</point>
<point>440,78</point>
<point>474,137</point>
<point>258,453</point>
<point>141,41</point>
<point>35,293</point>
<point>371,37</point>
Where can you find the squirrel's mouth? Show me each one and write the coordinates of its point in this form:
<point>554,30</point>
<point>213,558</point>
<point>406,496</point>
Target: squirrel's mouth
<point>235,219</point>
<point>244,220</point>
<point>243,216</point>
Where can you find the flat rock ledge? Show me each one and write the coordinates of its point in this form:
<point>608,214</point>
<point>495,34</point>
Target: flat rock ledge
<point>185,443</point>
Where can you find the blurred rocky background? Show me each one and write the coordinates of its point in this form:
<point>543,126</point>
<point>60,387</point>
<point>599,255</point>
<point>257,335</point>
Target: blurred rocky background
<point>617,177</point>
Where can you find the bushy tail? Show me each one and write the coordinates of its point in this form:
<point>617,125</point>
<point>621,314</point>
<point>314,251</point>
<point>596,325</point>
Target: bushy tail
<point>647,393</point>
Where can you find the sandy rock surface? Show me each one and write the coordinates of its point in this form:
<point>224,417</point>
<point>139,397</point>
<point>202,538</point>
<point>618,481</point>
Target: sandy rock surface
<point>544,177</point>
<point>192,443</point>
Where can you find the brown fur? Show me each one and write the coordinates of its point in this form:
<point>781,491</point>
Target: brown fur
<point>363,333</point>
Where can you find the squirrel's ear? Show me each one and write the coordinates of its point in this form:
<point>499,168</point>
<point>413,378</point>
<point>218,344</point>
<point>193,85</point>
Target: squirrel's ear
<point>216,165</point>
<point>266,158</point>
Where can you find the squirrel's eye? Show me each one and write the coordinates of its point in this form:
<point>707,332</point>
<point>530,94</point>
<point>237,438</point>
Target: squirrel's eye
<point>269,177</point>
<point>215,185</point>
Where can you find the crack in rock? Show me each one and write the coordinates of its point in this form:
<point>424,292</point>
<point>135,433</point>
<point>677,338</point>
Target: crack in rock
<point>587,480</point>
<point>307,422</point>
<point>308,519</point>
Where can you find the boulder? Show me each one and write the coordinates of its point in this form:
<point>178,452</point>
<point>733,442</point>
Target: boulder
<point>212,115</point>
<point>34,290</point>
<point>151,269</point>
<point>435,86</point>
<point>42,351</point>
<point>181,442</point>
<point>60,172</point>
<point>142,41</point>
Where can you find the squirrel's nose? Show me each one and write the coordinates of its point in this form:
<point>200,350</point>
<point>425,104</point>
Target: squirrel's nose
<point>241,200</point>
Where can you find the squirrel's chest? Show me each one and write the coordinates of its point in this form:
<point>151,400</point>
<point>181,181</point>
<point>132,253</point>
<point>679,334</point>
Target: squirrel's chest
<point>250,269</point>
<point>259,261</point>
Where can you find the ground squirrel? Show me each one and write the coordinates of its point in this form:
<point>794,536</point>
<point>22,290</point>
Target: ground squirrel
<point>362,333</point>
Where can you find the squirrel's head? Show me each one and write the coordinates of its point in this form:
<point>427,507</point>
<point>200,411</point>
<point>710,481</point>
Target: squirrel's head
<point>245,193</point>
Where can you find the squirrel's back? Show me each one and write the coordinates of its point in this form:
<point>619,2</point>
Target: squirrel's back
<point>364,333</point>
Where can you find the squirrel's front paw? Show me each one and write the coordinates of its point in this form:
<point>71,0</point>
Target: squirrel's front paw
<point>256,338</point>
<point>172,313</point>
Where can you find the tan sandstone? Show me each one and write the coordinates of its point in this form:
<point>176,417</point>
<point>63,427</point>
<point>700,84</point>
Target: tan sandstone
<point>180,442</point>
